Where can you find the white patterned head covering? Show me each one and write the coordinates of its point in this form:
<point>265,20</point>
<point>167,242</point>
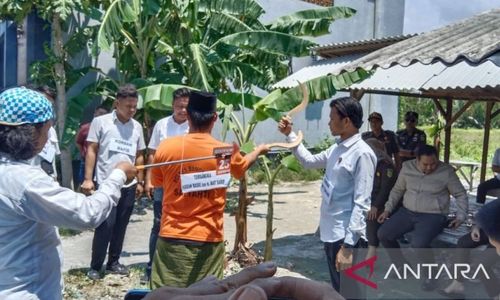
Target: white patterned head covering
<point>24,106</point>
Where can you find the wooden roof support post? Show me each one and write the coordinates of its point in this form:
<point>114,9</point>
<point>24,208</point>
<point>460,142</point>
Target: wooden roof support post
<point>447,129</point>
<point>439,107</point>
<point>486,139</point>
<point>357,94</point>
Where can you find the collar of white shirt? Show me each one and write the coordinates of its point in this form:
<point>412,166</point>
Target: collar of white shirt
<point>115,118</point>
<point>349,141</point>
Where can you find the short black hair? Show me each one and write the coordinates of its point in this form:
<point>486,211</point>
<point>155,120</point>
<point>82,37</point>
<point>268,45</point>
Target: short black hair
<point>20,141</point>
<point>181,93</point>
<point>126,91</point>
<point>101,107</point>
<point>411,114</point>
<point>349,107</point>
<point>200,120</point>
<point>488,219</point>
<point>426,150</point>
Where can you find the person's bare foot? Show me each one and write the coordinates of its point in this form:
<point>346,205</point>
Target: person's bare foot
<point>372,251</point>
<point>454,290</point>
<point>454,287</point>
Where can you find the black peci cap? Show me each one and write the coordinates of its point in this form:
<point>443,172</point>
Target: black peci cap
<point>203,102</point>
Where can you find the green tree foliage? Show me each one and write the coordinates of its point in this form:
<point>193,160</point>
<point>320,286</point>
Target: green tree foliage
<point>429,115</point>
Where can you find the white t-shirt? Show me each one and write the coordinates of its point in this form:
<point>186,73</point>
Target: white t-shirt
<point>117,142</point>
<point>496,161</point>
<point>51,148</point>
<point>165,128</point>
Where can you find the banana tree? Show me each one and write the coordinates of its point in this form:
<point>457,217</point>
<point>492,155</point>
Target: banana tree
<point>205,43</point>
<point>221,46</point>
<point>55,12</point>
<point>271,171</point>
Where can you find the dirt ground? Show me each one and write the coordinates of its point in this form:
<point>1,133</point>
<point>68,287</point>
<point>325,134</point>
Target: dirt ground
<point>297,251</point>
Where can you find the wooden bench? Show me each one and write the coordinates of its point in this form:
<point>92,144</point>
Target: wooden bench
<point>450,236</point>
<point>470,170</point>
<point>495,193</point>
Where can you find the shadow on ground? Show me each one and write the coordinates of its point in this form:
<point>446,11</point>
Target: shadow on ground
<point>302,254</point>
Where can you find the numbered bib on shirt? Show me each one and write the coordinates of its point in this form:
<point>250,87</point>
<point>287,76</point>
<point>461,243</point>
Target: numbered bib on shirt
<point>326,189</point>
<point>48,152</point>
<point>204,181</point>
<point>223,156</point>
<point>122,146</point>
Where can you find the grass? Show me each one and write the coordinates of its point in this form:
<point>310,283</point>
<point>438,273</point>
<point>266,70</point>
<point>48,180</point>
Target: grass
<point>68,232</point>
<point>467,145</point>
<point>78,286</point>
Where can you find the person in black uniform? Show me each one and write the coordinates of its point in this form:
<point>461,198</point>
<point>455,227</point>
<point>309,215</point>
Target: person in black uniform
<point>387,137</point>
<point>383,181</point>
<point>410,138</point>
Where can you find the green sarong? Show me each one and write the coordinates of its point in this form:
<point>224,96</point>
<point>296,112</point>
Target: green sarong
<point>178,265</point>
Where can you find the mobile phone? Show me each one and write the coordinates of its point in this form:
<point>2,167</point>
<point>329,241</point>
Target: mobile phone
<point>136,294</point>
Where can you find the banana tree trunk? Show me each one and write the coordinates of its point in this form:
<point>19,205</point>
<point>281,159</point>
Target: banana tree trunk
<point>60,81</point>
<point>268,248</point>
<point>241,217</point>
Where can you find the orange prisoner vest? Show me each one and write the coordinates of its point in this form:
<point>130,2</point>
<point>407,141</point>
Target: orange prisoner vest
<point>197,215</point>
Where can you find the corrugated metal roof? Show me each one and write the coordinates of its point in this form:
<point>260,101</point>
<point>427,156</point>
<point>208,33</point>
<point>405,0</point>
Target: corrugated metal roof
<point>381,40</point>
<point>318,69</point>
<point>419,77</point>
<point>473,39</point>
<point>416,78</point>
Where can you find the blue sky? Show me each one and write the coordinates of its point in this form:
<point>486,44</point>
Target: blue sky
<point>425,15</point>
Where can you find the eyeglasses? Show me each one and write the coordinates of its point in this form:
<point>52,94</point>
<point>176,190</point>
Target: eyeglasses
<point>411,120</point>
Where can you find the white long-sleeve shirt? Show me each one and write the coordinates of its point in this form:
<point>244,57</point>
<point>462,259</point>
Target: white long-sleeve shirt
<point>346,188</point>
<point>32,204</point>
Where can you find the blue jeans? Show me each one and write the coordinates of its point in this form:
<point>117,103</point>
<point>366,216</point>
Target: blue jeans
<point>155,230</point>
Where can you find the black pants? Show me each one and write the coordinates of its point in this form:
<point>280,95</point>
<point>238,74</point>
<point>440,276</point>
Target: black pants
<point>424,227</point>
<point>484,187</point>
<point>155,230</point>
<point>488,259</point>
<point>372,227</point>
<point>112,231</point>
<point>331,250</point>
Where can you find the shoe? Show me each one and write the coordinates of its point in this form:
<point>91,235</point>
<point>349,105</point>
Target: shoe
<point>94,275</point>
<point>146,276</point>
<point>429,284</point>
<point>403,240</point>
<point>451,295</point>
<point>117,269</point>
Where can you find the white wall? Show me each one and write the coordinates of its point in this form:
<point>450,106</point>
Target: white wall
<point>373,19</point>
